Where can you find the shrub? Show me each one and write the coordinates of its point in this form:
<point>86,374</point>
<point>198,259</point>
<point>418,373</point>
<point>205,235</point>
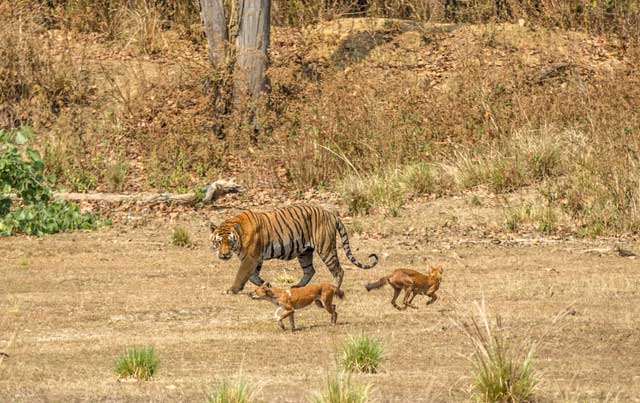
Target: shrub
<point>36,212</point>
<point>285,278</point>
<point>362,354</point>
<point>499,374</point>
<point>137,362</point>
<point>522,159</point>
<point>238,391</point>
<point>181,237</point>
<point>543,216</point>
<point>419,178</point>
<point>389,188</point>
<point>340,388</point>
<point>116,175</point>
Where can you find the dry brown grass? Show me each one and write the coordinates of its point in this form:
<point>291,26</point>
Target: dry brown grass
<point>496,105</point>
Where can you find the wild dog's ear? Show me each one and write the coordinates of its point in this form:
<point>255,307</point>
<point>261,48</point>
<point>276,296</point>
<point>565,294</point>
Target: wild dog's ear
<point>267,285</point>
<point>212,226</point>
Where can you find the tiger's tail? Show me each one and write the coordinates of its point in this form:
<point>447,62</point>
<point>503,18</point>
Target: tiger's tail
<point>347,248</point>
<point>377,284</point>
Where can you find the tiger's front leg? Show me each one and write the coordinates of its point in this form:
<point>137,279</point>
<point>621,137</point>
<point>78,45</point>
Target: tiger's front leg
<point>255,277</point>
<point>246,270</point>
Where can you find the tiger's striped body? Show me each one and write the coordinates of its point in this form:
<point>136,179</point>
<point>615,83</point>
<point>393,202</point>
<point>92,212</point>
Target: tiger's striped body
<point>286,233</point>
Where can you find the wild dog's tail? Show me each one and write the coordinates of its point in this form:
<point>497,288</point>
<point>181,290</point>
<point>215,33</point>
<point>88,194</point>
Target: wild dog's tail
<point>347,248</point>
<point>377,284</point>
<point>340,293</point>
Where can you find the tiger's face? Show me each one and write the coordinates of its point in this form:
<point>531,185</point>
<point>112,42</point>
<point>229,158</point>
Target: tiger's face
<point>225,240</point>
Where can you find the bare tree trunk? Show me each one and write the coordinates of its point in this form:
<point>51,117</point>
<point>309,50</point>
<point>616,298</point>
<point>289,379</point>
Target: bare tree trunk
<point>252,45</point>
<point>215,28</point>
<point>238,40</point>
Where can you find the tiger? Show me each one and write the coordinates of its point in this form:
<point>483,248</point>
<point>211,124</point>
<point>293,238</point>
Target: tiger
<point>290,232</point>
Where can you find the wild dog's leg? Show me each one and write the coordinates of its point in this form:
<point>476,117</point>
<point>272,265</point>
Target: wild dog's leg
<point>432,293</point>
<point>293,322</point>
<point>413,295</point>
<point>408,290</point>
<point>255,277</point>
<point>288,313</point>
<point>334,315</point>
<point>327,301</point>
<point>330,259</point>
<point>247,268</point>
<point>306,262</point>
<point>396,293</point>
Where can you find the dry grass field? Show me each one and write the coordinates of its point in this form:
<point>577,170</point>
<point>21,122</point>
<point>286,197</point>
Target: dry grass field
<point>71,303</point>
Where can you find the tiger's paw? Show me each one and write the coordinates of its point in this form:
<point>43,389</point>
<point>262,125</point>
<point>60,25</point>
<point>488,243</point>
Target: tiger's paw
<point>230,291</point>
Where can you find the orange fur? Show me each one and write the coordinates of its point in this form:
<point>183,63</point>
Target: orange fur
<point>293,232</point>
<point>413,283</point>
<point>298,298</point>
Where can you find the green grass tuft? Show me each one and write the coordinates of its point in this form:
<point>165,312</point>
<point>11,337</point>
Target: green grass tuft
<point>340,388</point>
<point>181,237</point>
<point>238,391</point>
<point>362,354</point>
<point>137,362</point>
<point>499,374</point>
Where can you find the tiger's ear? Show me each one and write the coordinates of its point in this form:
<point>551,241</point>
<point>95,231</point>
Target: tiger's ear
<point>212,226</point>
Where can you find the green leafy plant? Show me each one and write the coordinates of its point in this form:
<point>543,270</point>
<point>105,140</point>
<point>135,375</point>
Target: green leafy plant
<point>26,200</point>
<point>340,388</point>
<point>362,354</point>
<point>137,362</point>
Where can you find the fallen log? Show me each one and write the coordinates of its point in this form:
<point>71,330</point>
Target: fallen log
<point>211,192</point>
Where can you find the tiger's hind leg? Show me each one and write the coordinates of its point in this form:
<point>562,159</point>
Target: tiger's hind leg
<point>306,262</point>
<point>330,259</point>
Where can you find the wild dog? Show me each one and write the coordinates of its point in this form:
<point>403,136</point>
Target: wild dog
<point>413,283</point>
<point>298,298</point>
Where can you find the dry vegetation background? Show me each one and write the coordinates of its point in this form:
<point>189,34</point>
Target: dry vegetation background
<point>487,139</point>
<point>535,93</point>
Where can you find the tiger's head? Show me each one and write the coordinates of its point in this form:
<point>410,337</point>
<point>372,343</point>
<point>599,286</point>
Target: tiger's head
<point>225,239</point>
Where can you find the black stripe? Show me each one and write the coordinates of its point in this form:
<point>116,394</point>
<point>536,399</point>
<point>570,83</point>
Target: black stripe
<point>273,233</point>
<point>279,233</point>
<point>316,224</point>
<point>271,252</point>
<point>304,220</point>
<point>297,247</point>
<point>301,222</point>
<point>284,221</point>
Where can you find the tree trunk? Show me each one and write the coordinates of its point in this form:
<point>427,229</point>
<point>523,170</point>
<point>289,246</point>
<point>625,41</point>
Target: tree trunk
<point>252,45</point>
<point>215,28</point>
<point>238,40</point>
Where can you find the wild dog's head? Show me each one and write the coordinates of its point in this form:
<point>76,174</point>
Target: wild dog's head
<point>436,273</point>
<point>225,239</point>
<point>263,292</point>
